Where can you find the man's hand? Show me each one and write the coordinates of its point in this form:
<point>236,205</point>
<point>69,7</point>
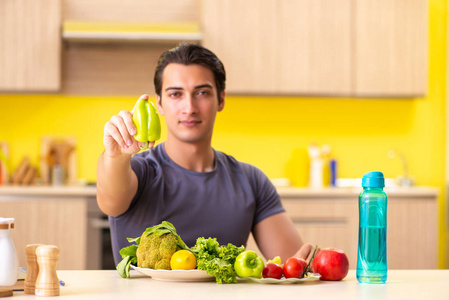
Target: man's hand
<point>116,181</point>
<point>119,134</point>
<point>306,252</point>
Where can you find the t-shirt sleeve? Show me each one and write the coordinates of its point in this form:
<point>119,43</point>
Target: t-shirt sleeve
<point>268,201</point>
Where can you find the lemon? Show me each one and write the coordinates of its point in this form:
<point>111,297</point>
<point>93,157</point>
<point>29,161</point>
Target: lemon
<point>183,260</point>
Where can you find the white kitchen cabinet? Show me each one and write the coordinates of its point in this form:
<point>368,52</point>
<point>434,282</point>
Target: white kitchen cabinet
<point>329,218</point>
<point>30,45</point>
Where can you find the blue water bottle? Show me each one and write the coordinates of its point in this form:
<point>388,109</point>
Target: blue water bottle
<point>372,252</point>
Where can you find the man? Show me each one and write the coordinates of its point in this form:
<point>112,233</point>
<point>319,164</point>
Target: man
<point>203,192</point>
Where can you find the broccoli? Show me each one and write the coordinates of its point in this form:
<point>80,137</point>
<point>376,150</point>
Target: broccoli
<point>155,252</point>
<point>154,249</point>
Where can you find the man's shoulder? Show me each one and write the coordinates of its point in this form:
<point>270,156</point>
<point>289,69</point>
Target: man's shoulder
<point>233,163</point>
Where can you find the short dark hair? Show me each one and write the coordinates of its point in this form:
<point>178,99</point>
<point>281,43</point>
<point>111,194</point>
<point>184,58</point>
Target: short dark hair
<point>190,54</point>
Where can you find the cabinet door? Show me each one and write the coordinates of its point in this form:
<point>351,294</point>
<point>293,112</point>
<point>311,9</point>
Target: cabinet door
<point>390,48</point>
<point>30,45</point>
<point>313,47</point>
<point>412,234</point>
<point>243,35</point>
<point>323,222</point>
<point>326,223</point>
<point>61,222</point>
<point>281,47</point>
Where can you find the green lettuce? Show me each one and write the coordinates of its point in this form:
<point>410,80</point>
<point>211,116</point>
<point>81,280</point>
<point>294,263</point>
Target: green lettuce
<point>217,260</point>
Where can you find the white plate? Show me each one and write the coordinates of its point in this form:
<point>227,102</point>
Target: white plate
<point>283,280</point>
<point>175,275</point>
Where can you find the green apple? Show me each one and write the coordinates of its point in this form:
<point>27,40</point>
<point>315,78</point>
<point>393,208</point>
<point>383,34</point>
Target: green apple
<point>248,264</point>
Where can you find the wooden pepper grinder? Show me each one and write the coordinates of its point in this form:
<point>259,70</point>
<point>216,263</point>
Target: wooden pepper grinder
<point>33,268</point>
<point>47,282</point>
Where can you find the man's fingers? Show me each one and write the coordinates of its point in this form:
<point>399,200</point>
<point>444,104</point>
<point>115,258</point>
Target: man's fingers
<point>121,126</point>
<point>305,252</point>
<point>128,121</point>
<point>112,130</point>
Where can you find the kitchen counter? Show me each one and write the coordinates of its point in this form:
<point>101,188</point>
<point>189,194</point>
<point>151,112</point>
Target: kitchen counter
<point>410,284</point>
<point>13,190</point>
<point>284,192</point>
<point>327,217</point>
<point>396,192</point>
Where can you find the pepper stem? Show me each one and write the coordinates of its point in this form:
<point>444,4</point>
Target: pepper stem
<point>146,146</point>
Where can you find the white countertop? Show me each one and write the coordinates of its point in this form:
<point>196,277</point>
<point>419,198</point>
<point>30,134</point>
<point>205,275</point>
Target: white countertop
<point>108,285</point>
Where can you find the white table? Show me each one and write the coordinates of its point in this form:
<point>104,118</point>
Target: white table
<point>401,284</point>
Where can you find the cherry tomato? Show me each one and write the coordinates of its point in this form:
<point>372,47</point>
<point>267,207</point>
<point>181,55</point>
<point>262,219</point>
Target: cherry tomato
<point>294,267</point>
<point>272,270</point>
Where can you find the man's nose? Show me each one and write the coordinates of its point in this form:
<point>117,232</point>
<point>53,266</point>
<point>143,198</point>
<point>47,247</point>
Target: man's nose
<point>189,105</point>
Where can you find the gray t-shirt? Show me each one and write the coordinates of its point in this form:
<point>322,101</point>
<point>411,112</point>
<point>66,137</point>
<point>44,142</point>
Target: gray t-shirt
<point>225,203</point>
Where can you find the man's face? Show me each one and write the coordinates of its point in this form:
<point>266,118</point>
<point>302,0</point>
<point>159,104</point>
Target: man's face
<point>189,102</point>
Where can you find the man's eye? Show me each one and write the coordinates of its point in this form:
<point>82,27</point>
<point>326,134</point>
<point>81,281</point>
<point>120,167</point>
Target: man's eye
<point>175,94</point>
<point>205,93</point>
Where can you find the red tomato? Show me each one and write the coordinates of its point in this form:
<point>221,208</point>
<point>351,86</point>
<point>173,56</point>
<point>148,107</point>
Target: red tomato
<point>331,264</point>
<point>294,267</point>
<point>272,270</point>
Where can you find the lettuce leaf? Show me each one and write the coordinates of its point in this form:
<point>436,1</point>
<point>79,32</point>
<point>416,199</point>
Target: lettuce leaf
<point>217,260</point>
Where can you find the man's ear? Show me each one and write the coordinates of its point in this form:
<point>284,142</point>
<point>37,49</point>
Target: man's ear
<point>221,103</point>
<point>159,105</point>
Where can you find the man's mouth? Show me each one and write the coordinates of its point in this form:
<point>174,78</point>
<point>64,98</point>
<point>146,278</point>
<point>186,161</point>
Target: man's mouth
<point>190,123</point>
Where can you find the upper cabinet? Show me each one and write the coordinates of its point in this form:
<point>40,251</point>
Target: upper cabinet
<point>369,48</point>
<point>390,57</point>
<point>112,47</point>
<point>30,45</point>
<point>281,47</point>
<point>320,47</point>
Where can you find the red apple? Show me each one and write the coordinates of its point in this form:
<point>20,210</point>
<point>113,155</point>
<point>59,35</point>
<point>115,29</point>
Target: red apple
<point>331,264</point>
<point>294,267</point>
<point>272,270</point>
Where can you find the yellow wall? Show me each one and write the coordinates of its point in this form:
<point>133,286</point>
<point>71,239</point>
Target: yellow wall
<point>272,132</point>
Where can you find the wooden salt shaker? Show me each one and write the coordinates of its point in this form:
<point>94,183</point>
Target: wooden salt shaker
<point>47,282</point>
<point>33,268</point>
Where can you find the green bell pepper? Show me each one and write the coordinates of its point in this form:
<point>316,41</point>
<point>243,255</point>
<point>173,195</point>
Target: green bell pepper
<point>146,120</point>
<point>248,264</point>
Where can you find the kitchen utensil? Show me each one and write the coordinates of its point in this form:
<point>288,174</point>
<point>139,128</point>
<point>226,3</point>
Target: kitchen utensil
<point>20,172</point>
<point>33,268</point>
<point>47,282</point>
<point>59,152</point>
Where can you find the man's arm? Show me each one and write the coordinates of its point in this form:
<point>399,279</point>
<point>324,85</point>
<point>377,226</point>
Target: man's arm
<point>116,184</point>
<point>276,236</point>
<point>116,181</point>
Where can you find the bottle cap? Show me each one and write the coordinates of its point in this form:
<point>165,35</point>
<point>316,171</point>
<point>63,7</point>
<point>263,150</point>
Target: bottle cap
<point>6,223</point>
<point>373,179</point>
